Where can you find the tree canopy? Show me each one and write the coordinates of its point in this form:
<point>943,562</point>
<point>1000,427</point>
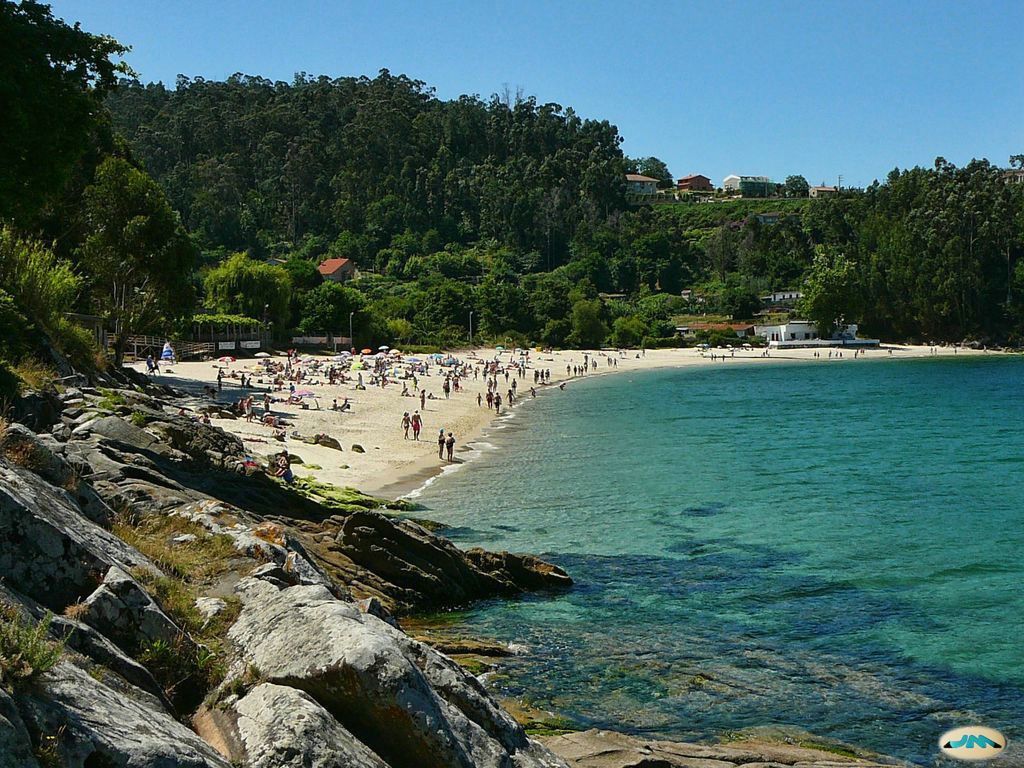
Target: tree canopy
<point>52,80</point>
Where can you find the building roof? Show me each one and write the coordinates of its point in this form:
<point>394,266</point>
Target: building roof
<point>825,189</point>
<point>639,177</point>
<point>693,176</point>
<point>720,326</point>
<point>330,266</point>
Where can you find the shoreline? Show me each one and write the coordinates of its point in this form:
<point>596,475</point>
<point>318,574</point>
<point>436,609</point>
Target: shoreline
<point>393,467</point>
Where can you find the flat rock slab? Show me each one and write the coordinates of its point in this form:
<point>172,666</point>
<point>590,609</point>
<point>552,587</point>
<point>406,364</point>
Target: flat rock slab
<point>607,749</point>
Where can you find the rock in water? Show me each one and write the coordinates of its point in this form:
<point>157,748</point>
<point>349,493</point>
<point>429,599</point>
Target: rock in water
<point>607,749</point>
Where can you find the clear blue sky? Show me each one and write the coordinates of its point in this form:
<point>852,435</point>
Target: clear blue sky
<point>818,88</point>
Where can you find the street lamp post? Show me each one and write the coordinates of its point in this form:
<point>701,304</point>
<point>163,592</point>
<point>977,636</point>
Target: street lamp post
<point>351,338</point>
<point>471,328</point>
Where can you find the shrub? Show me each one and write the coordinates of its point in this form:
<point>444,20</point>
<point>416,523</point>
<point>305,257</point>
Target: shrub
<point>26,648</point>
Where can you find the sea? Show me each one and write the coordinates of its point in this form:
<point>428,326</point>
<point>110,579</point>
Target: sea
<point>834,547</point>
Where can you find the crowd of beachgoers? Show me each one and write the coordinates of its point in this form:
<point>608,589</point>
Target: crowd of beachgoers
<point>373,419</point>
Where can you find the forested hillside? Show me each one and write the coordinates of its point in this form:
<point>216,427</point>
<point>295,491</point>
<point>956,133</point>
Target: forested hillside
<point>153,203</point>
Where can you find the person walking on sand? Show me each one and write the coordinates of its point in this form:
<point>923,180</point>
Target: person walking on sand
<point>479,399</point>
<point>449,445</point>
<point>417,424</point>
<point>423,399</point>
<point>440,444</point>
<point>406,423</point>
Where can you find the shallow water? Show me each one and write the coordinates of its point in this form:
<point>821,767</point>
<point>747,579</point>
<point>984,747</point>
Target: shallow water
<point>834,546</point>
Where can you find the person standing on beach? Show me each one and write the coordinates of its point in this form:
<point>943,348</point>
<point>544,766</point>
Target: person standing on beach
<point>479,399</point>
<point>449,445</point>
<point>406,423</point>
<point>497,404</point>
<point>423,399</point>
<point>440,444</point>
<point>417,423</point>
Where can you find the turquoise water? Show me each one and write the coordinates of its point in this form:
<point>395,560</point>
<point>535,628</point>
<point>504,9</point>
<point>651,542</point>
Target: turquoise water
<point>833,546</point>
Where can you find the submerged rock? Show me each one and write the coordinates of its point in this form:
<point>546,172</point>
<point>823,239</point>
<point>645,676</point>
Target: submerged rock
<point>608,749</point>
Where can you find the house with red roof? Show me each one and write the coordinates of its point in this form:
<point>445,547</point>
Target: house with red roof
<point>695,182</point>
<point>338,270</point>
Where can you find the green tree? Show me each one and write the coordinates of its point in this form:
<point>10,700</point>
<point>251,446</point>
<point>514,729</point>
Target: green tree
<point>588,329</point>
<point>832,292</point>
<point>244,286</point>
<point>721,250</point>
<point>653,167</point>
<point>795,186</point>
<point>52,80</point>
<point>137,257</point>
<point>628,331</point>
<point>326,309</point>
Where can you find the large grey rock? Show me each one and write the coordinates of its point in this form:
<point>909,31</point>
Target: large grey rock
<point>99,725</point>
<point>123,611</point>
<point>15,744</point>
<point>409,704</point>
<point>48,549</point>
<point>88,642</point>
<point>275,726</point>
<point>43,455</point>
<point>116,428</point>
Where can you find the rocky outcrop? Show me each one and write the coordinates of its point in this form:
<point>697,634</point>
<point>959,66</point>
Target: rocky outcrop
<point>274,726</point>
<point>123,611</point>
<point>15,743</point>
<point>316,678</point>
<point>408,565</point>
<point>99,723</point>
<point>410,705</point>
<point>608,749</point>
<point>49,550</point>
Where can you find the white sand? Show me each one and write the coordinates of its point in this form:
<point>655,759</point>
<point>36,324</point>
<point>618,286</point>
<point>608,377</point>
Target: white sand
<point>392,465</point>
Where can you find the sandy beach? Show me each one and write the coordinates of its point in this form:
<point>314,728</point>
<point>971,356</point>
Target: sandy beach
<point>391,465</point>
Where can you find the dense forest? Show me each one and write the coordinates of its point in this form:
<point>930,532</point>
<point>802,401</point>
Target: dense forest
<point>147,204</point>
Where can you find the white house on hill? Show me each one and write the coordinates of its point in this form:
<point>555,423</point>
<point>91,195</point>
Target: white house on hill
<point>804,333</point>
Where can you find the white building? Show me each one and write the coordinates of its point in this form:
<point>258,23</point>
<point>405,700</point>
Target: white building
<point>782,297</point>
<point>731,183</point>
<point>821,191</point>
<point>804,333</point>
<point>640,185</point>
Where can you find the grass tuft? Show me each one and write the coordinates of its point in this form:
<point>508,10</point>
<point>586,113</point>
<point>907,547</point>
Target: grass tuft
<point>26,648</point>
<point>195,663</point>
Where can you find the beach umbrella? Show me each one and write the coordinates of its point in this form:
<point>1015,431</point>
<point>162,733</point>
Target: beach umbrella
<point>413,360</point>
<point>226,359</point>
<point>367,351</point>
<point>262,354</point>
<point>383,348</point>
<point>500,348</point>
